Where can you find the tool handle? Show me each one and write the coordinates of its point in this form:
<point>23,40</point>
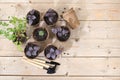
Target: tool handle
<point>39,60</point>
<point>33,64</point>
<point>42,61</point>
<point>36,62</point>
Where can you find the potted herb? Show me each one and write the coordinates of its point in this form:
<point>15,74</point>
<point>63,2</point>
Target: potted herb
<point>17,33</point>
<point>51,17</point>
<point>62,33</point>
<point>40,34</point>
<point>33,17</point>
<point>32,50</point>
<point>51,52</point>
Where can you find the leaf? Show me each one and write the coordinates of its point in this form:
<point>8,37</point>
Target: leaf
<point>19,47</point>
<point>53,56</point>
<point>1,32</point>
<point>5,24</point>
<point>54,30</point>
<point>41,33</point>
<point>58,52</point>
<point>0,22</point>
<point>48,55</point>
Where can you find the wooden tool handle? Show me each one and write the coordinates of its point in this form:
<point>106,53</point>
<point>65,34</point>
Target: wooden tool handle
<point>33,64</point>
<point>36,62</point>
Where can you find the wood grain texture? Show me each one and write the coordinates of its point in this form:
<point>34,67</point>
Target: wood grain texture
<point>84,47</point>
<point>56,78</point>
<point>91,53</point>
<point>84,11</point>
<point>82,67</point>
<point>67,1</point>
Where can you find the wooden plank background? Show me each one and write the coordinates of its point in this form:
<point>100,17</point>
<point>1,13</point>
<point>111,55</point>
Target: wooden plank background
<point>91,53</point>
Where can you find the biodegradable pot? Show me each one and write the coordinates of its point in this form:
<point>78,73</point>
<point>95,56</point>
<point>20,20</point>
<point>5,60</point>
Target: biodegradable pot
<point>32,50</point>
<point>40,34</point>
<point>33,17</point>
<point>51,17</point>
<point>62,33</point>
<point>71,17</point>
<point>51,52</point>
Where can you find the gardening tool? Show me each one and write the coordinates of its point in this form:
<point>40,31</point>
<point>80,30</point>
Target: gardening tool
<point>49,66</point>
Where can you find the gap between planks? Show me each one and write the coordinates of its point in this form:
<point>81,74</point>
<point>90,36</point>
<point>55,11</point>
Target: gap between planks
<point>84,12</point>
<point>55,78</point>
<point>65,1</point>
<point>83,67</point>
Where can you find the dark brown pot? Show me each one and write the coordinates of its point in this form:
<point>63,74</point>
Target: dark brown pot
<point>51,17</point>
<point>63,34</point>
<point>32,50</point>
<point>33,17</point>
<point>40,34</point>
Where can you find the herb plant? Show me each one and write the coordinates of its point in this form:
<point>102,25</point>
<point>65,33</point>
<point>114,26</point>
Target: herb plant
<point>14,29</point>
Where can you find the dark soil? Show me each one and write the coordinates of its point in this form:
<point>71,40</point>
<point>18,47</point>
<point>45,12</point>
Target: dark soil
<point>39,37</point>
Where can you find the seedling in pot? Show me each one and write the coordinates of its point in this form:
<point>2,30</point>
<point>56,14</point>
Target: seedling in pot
<point>40,34</point>
<point>32,50</point>
<point>62,33</point>
<point>51,52</point>
<point>33,17</point>
<point>51,17</point>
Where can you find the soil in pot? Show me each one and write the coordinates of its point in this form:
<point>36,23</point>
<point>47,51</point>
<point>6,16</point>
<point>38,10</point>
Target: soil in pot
<point>32,50</point>
<point>51,52</point>
<point>40,34</point>
<point>33,17</point>
<point>62,33</point>
<point>51,17</point>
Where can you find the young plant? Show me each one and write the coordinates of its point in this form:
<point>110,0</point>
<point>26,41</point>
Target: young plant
<point>51,17</point>
<point>31,50</point>
<point>40,34</point>
<point>51,52</point>
<point>16,33</point>
<point>62,33</point>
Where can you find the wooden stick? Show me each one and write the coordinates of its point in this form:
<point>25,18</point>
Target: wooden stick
<point>38,63</point>
<point>43,61</point>
<point>39,66</point>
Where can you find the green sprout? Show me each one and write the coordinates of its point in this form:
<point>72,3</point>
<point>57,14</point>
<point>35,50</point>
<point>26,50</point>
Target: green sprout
<point>41,33</point>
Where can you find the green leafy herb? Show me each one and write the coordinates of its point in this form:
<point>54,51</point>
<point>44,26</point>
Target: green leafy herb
<point>16,33</point>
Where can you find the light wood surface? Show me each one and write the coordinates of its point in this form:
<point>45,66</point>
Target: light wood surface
<point>91,53</point>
